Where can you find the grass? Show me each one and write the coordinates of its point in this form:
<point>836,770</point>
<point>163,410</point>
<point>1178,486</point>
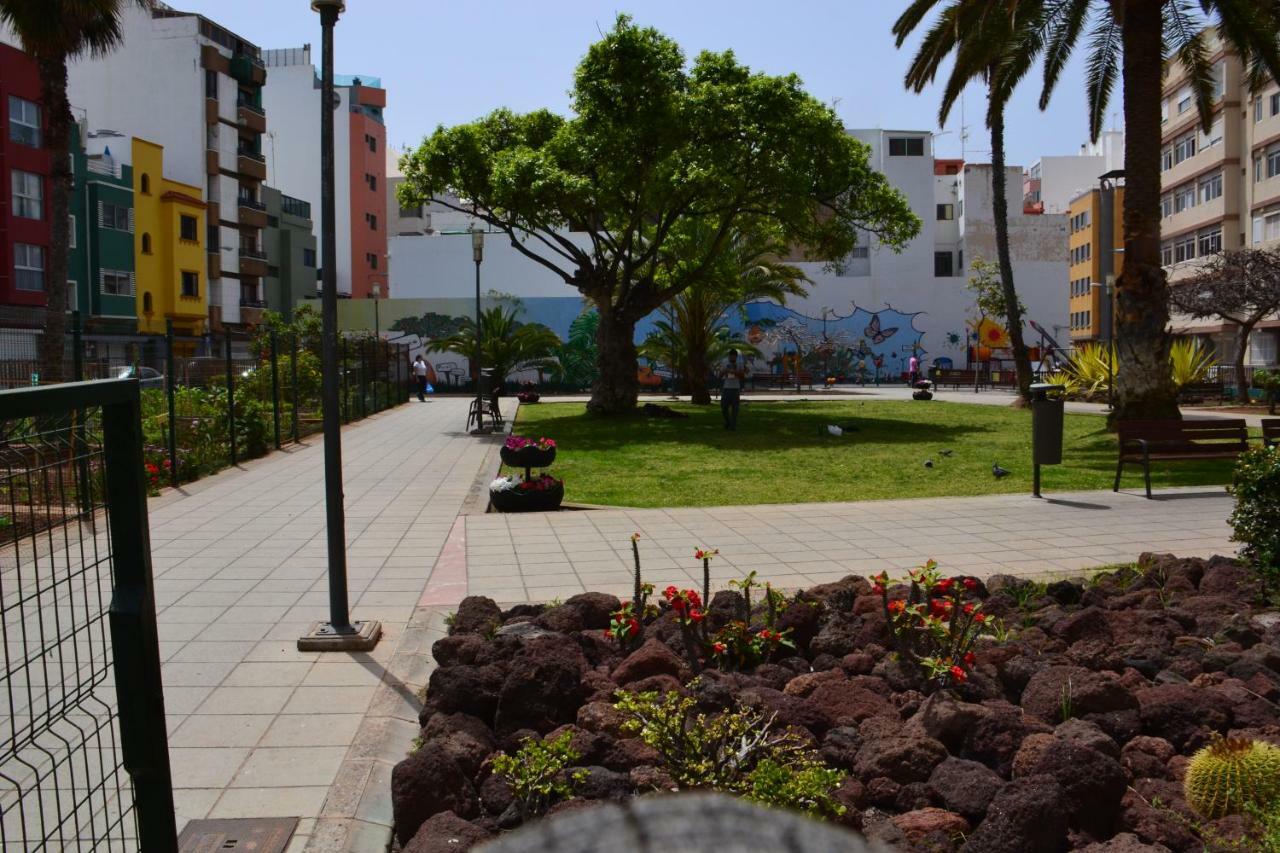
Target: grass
<point>781,453</point>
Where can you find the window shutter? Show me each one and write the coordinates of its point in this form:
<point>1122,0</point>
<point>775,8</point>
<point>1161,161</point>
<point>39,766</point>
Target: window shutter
<point>102,277</point>
<point>101,221</point>
<point>133,277</point>
<point>131,220</point>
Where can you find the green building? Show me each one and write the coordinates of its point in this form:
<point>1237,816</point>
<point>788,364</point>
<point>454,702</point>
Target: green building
<point>290,245</point>
<point>102,282</point>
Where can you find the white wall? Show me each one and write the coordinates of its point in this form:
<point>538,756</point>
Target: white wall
<point>442,266</point>
<point>1064,178</point>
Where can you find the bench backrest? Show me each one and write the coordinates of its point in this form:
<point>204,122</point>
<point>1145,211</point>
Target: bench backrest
<point>1270,430</point>
<point>1216,433</point>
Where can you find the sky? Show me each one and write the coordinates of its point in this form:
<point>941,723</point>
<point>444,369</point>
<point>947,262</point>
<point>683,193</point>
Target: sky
<point>450,62</point>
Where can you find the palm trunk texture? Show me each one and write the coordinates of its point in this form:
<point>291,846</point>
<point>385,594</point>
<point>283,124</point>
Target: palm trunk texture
<point>53,74</point>
<point>1000,205</point>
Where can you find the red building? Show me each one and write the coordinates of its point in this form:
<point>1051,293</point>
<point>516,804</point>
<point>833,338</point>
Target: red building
<point>24,182</point>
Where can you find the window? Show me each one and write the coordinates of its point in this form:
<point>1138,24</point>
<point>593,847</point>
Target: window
<point>113,216</point>
<point>1166,253</point>
<point>211,83</point>
<point>146,243</point>
<point>1257,168</point>
<point>1184,197</point>
<point>372,142</point>
<point>308,257</point>
<point>28,195</point>
<point>24,122</point>
<point>188,228</point>
<point>946,212</point>
<point>1184,248</point>
<point>1257,228</point>
<point>373,221</point>
<point>73,296</point>
<point>1213,137</point>
<point>372,181</point>
<point>1166,205</point>
<point>1275,103</point>
<point>1184,148</point>
<point>1219,79</point>
<point>147,303</point>
<point>1210,241</point>
<point>906,146</point>
<point>1184,102</point>
<point>71,231</point>
<point>1273,161</point>
<point>371,259</point>
<point>1166,158</point>
<point>1210,187</point>
<point>1257,109</point>
<point>116,283</point>
<point>28,267</point>
<point>145,184</point>
<point>411,212</point>
<point>943,265</point>
<point>190,284</point>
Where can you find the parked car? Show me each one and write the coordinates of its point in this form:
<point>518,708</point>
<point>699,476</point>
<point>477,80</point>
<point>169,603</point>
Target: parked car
<point>148,377</point>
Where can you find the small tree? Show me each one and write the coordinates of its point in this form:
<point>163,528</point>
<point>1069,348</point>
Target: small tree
<point>989,295</point>
<point>1241,287</point>
<point>506,344</point>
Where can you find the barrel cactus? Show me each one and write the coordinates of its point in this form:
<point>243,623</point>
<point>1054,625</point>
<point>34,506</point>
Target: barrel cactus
<point>1232,774</point>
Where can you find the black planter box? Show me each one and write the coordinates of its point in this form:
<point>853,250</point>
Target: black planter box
<point>516,500</point>
<point>530,456</point>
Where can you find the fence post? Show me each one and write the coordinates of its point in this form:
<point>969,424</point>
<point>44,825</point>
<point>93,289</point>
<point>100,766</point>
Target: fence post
<point>132,616</point>
<point>275,387</point>
<point>293,369</point>
<point>231,401</point>
<point>77,346</point>
<point>345,406</point>
<point>79,450</point>
<point>364,379</point>
<point>170,390</point>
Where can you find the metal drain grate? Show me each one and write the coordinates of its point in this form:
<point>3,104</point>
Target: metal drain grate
<point>248,834</point>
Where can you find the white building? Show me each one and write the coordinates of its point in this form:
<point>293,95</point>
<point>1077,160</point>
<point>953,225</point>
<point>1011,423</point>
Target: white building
<point>193,87</point>
<point>292,99</point>
<point>1051,183</point>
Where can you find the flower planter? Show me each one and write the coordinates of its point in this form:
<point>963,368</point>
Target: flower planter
<point>530,456</point>
<point>922,395</point>
<point>528,396</point>
<point>528,500</point>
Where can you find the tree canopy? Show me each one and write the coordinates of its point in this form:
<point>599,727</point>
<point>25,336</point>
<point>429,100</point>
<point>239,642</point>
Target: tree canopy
<point>653,142</point>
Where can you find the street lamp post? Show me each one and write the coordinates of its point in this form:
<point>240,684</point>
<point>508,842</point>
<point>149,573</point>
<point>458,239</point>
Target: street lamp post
<point>339,633</point>
<point>1107,310</point>
<point>477,255</point>
<point>376,293</point>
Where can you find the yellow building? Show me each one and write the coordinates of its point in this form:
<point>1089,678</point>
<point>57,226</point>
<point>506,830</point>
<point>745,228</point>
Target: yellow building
<point>169,253</point>
<point>1095,247</point>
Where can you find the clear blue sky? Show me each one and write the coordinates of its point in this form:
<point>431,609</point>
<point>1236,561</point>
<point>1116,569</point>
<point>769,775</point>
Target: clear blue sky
<point>450,62</point>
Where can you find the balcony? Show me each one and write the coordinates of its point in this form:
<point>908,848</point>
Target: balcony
<point>246,104</point>
<point>252,252</point>
<point>248,69</point>
<point>253,213</point>
<point>210,161</point>
<point>251,117</point>
<point>253,262</point>
<point>295,207</point>
<point>251,164</point>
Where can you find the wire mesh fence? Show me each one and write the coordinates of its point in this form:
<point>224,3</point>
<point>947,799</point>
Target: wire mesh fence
<point>75,583</point>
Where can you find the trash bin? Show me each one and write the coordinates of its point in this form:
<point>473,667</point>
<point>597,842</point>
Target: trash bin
<point>1046,423</point>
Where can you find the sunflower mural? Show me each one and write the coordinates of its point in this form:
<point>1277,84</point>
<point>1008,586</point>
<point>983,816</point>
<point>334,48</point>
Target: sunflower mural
<point>991,334</point>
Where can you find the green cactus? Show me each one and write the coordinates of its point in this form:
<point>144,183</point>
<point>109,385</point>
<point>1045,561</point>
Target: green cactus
<point>1232,774</point>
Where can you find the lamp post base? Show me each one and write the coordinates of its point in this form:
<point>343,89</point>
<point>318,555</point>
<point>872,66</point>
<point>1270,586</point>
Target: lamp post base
<point>361,637</point>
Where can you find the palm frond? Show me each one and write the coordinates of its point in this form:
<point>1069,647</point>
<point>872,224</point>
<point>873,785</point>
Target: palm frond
<point>1251,27</point>
<point>911,18</point>
<point>1185,40</point>
<point>1062,21</point>
<point>1102,70</point>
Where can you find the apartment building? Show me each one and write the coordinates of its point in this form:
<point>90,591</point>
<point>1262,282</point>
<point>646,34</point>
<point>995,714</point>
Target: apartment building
<point>1095,254</point>
<point>290,245</point>
<point>1052,183</point>
<point>101,279</point>
<point>292,98</point>
<point>193,87</point>
<point>1221,189</point>
<point>24,187</point>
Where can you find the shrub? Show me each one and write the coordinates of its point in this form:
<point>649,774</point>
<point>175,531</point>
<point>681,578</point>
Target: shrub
<point>534,773</point>
<point>1189,361</point>
<point>1269,382</point>
<point>934,628</point>
<point>1255,521</point>
<point>1233,775</point>
<point>736,751</point>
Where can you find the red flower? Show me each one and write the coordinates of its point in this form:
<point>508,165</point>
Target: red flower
<point>970,584</point>
<point>970,659</point>
<point>633,627</point>
<point>670,593</point>
<point>151,468</point>
<point>979,617</point>
<point>968,609</point>
<point>695,615</point>
<point>896,606</point>
<point>877,589</point>
<point>719,648</point>
<point>678,604</point>
<point>693,598</point>
<point>958,675</point>
<point>944,586</point>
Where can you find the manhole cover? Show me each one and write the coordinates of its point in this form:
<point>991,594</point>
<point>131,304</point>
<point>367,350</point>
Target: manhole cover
<point>256,834</point>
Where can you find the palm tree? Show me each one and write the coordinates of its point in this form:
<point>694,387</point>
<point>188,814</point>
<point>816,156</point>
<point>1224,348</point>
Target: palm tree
<point>985,47</point>
<point>52,32</point>
<point>1132,40</point>
<point>506,344</point>
<point>693,331</point>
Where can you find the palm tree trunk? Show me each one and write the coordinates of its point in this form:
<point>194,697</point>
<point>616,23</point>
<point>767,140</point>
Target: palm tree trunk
<point>1000,206</point>
<point>1144,383</point>
<point>53,75</point>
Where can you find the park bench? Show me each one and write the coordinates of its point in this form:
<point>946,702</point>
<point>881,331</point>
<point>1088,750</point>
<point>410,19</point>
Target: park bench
<point>1271,432</point>
<point>1198,391</point>
<point>781,381</point>
<point>1142,442</point>
<point>956,378</point>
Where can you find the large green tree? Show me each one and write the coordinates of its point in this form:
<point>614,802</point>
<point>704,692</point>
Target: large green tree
<point>693,331</point>
<point>984,47</point>
<point>651,143</point>
<point>1132,42</point>
<point>506,344</point>
<point>53,32</point>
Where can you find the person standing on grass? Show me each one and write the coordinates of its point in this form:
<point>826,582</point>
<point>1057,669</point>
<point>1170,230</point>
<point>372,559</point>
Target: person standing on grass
<point>731,376</point>
<point>420,376</point>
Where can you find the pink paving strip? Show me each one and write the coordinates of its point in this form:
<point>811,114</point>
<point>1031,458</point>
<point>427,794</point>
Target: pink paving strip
<point>448,581</point>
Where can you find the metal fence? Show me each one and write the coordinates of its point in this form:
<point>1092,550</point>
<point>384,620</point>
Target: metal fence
<point>84,760</point>
<point>214,401</point>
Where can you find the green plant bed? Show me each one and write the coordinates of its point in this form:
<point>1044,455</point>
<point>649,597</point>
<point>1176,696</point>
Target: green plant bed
<point>782,453</point>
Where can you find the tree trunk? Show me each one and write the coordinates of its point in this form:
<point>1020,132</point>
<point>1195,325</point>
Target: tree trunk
<point>53,75</point>
<point>696,378</point>
<point>1243,330</point>
<point>1000,205</point>
<point>1144,383</point>
<point>615,388</point>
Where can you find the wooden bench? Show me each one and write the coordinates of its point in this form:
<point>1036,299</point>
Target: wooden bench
<point>781,381</point>
<point>1271,432</point>
<point>1201,391</point>
<point>956,378</point>
<point>1144,441</point>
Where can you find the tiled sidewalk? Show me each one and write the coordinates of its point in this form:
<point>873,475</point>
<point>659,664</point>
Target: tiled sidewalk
<point>562,554</point>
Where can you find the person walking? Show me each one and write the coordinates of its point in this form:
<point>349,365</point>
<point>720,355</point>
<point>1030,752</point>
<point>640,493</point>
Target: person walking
<point>731,376</point>
<point>913,370</point>
<point>420,368</point>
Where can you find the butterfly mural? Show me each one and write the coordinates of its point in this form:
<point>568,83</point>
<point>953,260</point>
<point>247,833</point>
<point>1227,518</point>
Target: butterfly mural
<point>877,335</point>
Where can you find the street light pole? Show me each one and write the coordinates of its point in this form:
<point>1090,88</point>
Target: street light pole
<point>477,254</point>
<point>339,633</point>
<point>376,293</point>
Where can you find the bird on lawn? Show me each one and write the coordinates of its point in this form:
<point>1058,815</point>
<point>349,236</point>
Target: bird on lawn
<point>998,471</point>
<point>945,453</point>
<point>928,463</point>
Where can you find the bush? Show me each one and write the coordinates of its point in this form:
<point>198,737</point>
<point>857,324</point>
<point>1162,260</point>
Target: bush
<point>1256,517</point>
<point>534,773</point>
<point>738,752</point>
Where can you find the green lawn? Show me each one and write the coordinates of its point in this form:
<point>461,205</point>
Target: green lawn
<point>778,456</point>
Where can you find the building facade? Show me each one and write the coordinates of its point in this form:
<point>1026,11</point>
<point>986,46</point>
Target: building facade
<point>292,98</point>
<point>290,246</point>
<point>194,88</point>
<point>1095,252</point>
<point>169,247</point>
<point>24,186</point>
<point>101,277</point>
<point>1052,183</point>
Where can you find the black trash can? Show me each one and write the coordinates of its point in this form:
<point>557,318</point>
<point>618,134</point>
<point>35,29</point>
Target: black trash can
<point>1046,423</point>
